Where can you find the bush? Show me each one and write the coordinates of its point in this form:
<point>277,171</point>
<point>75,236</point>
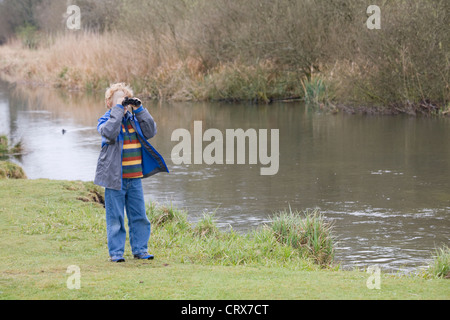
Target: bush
<point>406,63</point>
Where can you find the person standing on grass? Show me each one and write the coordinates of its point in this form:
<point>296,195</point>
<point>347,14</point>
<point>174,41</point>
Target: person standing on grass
<point>125,159</point>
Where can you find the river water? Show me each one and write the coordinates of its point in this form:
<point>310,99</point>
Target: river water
<point>384,181</point>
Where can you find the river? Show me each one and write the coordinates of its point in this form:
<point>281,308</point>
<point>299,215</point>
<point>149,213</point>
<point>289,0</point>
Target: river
<point>383,181</point>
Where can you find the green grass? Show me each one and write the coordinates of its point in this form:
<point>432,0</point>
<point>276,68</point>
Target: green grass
<point>47,226</point>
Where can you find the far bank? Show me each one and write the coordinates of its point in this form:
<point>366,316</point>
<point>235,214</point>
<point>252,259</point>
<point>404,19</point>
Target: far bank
<point>82,62</point>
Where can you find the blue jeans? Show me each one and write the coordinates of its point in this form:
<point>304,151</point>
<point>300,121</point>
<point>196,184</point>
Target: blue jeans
<point>130,198</point>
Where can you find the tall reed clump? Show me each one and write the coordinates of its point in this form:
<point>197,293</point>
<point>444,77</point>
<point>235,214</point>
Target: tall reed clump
<point>440,266</point>
<point>306,231</point>
<point>316,92</point>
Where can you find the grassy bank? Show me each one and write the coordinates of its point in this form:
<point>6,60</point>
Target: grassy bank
<point>10,170</point>
<point>47,226</point>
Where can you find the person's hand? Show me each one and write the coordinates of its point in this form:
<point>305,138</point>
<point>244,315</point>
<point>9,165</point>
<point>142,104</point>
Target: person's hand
<point>137,107</point>
<point>125,108</point>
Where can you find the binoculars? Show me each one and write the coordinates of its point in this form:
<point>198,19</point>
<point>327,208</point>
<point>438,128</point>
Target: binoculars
<point>127,101</point>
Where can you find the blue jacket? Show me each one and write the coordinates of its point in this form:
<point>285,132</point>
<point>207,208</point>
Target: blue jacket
<point>109,165</point>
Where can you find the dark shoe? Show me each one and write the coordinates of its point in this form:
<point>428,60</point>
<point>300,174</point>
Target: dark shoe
<point>117,259</point>
<point>144,256</point>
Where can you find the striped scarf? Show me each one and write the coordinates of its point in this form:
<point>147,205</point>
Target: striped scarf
<point>132,153</point>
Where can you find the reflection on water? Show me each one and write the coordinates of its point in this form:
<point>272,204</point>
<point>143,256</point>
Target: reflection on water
<point>383,181</point>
